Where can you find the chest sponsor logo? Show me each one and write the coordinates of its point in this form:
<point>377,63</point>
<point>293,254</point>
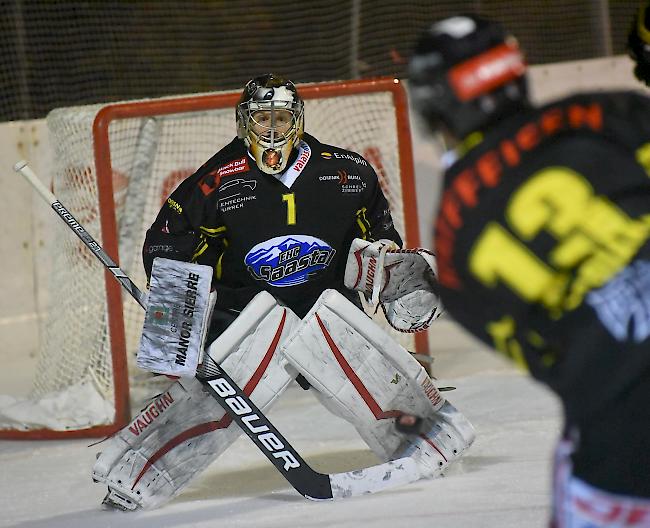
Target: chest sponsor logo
<point>210,182</point>
<point>349,183</point>
<point>288,260</point>
<point>342,155</point>
<point>233,167</point>
<point>303,157</point>
<point>234,194</point>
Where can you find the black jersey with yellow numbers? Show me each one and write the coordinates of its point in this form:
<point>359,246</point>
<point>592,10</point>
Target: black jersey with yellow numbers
<point>288,234</point>
<point>542,243</point>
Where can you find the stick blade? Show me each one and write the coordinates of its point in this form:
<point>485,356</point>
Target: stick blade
<point>375,478</point>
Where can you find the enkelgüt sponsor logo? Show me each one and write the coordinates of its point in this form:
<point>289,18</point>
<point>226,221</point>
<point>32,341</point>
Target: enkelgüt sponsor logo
<point>344,155</point>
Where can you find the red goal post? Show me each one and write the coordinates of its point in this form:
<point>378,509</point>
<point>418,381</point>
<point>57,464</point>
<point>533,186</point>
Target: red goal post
<point>116,159</point>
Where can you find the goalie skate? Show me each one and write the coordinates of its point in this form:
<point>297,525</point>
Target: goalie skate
<point>116,501</point>
<point>445,436</point>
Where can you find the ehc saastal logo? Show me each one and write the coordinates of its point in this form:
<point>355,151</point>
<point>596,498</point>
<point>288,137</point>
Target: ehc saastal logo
<point>288,260</point>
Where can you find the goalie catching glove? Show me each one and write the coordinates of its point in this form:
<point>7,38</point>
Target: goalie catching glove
<point>403,281</point>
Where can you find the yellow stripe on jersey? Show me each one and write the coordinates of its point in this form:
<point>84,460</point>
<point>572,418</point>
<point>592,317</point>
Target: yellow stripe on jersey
<point>364,225</point>
<point>218,270</point>
<point>212,231</point>
<point>200,249</point>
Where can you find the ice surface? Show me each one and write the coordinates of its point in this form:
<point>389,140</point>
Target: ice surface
<point>503,481</point>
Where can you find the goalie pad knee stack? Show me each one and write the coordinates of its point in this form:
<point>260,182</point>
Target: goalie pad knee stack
<point>183,430</point>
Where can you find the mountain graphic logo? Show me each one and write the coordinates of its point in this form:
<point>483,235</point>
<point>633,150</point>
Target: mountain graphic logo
<point>288,260</point>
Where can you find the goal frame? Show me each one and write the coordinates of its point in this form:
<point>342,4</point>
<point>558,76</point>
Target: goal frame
<point>108,220</point>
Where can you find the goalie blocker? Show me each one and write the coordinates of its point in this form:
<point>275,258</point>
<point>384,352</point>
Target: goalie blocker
<point>178,315</point>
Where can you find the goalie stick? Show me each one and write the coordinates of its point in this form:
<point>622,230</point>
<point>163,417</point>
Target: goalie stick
<point>306,481</point>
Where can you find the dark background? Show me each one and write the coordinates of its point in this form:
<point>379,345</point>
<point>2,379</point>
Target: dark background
<point>64,53</point>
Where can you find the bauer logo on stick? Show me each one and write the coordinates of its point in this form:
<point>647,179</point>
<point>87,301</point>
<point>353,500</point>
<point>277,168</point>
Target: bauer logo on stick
<point>267,438</point>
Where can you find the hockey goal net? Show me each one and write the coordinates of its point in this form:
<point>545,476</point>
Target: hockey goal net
<point>114,167</point>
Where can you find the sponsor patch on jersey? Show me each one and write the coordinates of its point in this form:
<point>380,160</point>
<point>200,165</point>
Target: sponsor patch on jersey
<point>349,183</point>
<point>209,183</point>
<point>623,304</point>
<point>344,155</point>
<point>288,260</point>
<point>233,167</point>
<point>235,193</point>
<point>295,169</point>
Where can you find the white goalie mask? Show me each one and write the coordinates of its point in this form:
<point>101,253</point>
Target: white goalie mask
<point>270,120</point>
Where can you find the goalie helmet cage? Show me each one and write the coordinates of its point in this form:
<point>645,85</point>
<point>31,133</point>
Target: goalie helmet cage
<point>115,165</point>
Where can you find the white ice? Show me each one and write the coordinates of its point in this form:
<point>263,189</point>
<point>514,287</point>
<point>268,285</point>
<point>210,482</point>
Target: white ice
<point>502,482</point>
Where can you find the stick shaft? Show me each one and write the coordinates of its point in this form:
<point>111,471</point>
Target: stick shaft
<point>79,230</point>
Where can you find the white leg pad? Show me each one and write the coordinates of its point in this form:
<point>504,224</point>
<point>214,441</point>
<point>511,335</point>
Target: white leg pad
<point>362,375</point>
<point>184,429</point>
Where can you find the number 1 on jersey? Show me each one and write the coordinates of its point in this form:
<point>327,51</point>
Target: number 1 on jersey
<point>291,207</point>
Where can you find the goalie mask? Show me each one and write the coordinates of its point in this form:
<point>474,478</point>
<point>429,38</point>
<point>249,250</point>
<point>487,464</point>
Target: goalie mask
<point>270,120</point>
<point>466,73</point>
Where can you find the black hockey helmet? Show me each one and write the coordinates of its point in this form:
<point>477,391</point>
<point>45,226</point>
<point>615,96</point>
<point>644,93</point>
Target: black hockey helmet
<point>270,120</point>
<point>465,73</point>
<point>638,43</point>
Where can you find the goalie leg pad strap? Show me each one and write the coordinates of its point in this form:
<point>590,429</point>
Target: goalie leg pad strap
<point>365,377</point>
<point>183,430</point>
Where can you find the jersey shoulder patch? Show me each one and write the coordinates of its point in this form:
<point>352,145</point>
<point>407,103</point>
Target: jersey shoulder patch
<point>229,161</point>
<point>330,152</point>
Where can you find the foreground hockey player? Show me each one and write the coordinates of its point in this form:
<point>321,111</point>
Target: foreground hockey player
<point>542,251</point>
<point>293,230</point>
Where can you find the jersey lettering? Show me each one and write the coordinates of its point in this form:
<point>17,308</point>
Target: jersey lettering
<point>595,239</point>
<point>288,260</point>
<point>290,200</point>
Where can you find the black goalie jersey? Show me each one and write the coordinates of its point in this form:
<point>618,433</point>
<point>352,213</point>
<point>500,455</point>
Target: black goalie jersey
<point>288,235</point>
<point>542,244</point>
